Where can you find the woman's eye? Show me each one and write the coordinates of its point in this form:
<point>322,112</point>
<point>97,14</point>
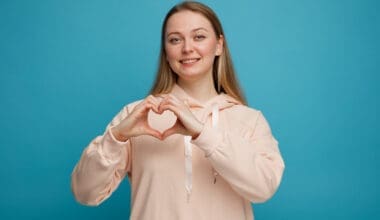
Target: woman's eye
<point>199,37</point>
<point>174,40</point>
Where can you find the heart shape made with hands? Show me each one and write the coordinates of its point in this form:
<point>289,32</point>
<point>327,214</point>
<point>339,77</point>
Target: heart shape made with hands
<point>161,122</point>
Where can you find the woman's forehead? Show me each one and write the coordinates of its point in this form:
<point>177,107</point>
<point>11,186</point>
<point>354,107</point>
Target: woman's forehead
<point>186,21</point>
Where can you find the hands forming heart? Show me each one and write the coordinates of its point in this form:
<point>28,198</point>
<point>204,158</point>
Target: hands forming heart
<point>136,123</point>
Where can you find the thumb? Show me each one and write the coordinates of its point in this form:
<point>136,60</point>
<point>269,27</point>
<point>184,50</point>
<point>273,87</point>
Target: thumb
<point>170,131</point>
<point>154,133</point>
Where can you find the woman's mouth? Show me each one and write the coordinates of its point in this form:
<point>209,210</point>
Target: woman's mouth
<point>189,60</point>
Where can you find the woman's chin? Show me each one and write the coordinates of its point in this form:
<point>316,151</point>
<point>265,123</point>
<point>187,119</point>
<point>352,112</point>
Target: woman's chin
<point>190,75</point>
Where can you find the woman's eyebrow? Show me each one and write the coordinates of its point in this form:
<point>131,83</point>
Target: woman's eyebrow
<point>201,28</point>
<point>174,32</point>
<point>194,30</point>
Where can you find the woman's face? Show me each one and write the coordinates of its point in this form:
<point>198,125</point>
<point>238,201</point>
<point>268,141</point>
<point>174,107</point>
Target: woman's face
<point>191,45</point>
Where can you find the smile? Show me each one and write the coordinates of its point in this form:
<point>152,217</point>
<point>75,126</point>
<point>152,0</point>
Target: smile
<point>189,61</point>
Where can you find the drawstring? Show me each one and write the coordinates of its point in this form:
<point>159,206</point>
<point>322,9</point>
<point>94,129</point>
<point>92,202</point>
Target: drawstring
<point>188,167</point>
<point>215,116</point>
<point>215,120</point>
<point>188,154</point>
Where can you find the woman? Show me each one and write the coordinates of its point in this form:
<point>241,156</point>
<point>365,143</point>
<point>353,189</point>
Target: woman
<point>192,149</point>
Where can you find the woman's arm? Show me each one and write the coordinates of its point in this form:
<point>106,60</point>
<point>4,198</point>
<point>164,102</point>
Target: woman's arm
<point>102,166</point>
<point>252,164</point>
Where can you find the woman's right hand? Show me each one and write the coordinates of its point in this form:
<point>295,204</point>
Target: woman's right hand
<point>136,123</point>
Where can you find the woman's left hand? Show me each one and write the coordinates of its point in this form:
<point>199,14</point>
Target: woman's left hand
<point>186,124</point>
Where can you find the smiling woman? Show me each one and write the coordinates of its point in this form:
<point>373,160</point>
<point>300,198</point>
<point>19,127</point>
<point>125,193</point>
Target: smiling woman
<point>192,147</point>
<point>192,48</point>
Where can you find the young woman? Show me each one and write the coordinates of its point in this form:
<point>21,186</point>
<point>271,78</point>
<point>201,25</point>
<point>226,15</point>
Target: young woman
<point>192,149</point>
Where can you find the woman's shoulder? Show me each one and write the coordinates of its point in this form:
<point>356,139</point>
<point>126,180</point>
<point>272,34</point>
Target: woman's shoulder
<point>243,111</point>
<point>238,109</point>
<point>245,116</point>
<point>130,106</point>
<point>246,121</point>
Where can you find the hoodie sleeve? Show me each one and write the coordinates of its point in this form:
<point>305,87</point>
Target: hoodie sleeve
<point>249,161</point>
<point>102,166</point>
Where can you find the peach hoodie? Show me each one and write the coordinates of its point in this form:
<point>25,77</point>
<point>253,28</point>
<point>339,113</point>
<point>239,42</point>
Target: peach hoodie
<point>234,161</point>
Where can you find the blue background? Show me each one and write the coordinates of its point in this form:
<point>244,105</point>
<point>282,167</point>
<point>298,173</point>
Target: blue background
<point>312,67</point>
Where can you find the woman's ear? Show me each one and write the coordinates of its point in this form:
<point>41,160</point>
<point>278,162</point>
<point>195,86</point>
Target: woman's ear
<point>219,46</point>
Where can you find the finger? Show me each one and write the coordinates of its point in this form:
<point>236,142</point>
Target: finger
<point>148,106</point>
<point>155,100</point>
<point>162,95</point>
<point>141,109</point>
<point>139,106</point>
<point>167,97</point>
<point>170,107</point>
<point>173,99</point>
<point>142,104</point>
<point>168,132</point>
<point>178,102</point>
<point>152,104</point>
<point>177,128</point>
<point>154,133</point>
<point>163,102</point>
<point>168,100</point>
<point>162,98</point>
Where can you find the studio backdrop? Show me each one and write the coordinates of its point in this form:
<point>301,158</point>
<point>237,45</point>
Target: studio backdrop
<point>312,68</point>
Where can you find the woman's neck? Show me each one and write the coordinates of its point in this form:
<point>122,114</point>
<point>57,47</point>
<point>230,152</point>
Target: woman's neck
<point>200,89</point>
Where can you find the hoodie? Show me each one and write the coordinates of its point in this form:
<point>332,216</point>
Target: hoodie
<point>234,161</point>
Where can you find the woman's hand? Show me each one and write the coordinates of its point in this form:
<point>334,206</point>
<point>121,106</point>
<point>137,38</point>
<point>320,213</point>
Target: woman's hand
<point>136,123</point>
<point>186,124</point>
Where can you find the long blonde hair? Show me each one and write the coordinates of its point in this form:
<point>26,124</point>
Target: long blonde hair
<point>224,76</point>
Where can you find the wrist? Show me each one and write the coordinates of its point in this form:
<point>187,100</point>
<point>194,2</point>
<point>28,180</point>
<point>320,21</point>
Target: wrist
<point>198,131</point>
<point>118,135</point>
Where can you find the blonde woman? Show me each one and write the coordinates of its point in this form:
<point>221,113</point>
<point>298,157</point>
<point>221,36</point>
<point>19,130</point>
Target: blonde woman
<point>192,149</point>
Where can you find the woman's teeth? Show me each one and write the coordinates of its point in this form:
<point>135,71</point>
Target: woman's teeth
<point>187,61</point>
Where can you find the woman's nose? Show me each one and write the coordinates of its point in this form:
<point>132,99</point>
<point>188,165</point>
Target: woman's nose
<point>187,46</point>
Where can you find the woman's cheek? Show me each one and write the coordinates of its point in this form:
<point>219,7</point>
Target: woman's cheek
<point>171,54</point>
